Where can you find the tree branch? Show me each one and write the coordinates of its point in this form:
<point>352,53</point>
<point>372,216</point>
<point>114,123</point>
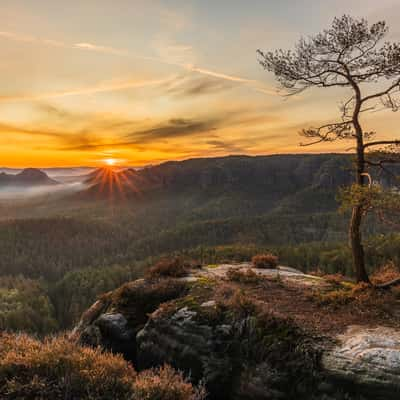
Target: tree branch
<point>382,143</point>
<point>383,93</point>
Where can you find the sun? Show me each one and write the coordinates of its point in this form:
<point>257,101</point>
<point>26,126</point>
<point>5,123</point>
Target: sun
<point>110,161</point>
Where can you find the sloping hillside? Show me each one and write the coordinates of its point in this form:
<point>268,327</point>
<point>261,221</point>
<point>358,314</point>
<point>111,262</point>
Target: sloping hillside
<point>29,177</point>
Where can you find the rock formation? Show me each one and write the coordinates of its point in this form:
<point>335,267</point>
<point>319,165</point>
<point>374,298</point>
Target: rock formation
<point>240,347</point>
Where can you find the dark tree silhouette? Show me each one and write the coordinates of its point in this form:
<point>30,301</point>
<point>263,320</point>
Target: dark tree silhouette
<point>350,54</point>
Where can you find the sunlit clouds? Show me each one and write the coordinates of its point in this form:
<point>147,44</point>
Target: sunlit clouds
<point>132,83</point>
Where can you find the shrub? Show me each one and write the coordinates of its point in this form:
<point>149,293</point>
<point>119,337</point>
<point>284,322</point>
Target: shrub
<point>334,279</point>
<point>334,298</point>
<point>239,305</point>
<point>59,369</point>
<point>165,384</point>
<point>175,268</point>
<point>265,261</point>
<point>385,274</point>
<point>243,276</point>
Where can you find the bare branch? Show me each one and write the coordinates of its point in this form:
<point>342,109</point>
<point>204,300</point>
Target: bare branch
<point>382,143</point>
<point>383,93</point>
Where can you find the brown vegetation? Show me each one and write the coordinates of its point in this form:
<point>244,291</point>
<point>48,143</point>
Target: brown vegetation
<point>265,261</point>
<point>165,384</point>
<point>386,273</point>
<point>173,268</point>
<point>323,308</point>
<point>334,279</point>
<point>58,369</point>
<point>243,276</point>
<point>239,304</point>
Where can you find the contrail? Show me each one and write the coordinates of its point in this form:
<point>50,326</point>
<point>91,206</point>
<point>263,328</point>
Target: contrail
<point>254,84</point>
<point>86,90</point>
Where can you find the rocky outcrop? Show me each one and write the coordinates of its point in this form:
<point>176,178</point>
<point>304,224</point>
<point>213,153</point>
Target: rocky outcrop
<point>212,330</point>
<point>114,320</point>
<point>197,348</point>
<point>236,357</point>
<point>368,359</point>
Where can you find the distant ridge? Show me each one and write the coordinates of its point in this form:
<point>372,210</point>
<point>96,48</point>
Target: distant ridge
<point>28,177</point>
<point>272,178</point>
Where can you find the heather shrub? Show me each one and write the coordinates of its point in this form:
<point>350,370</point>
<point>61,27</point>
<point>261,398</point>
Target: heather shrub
<point>175,268</point>
<point>386,273</point>
<point>334,298</point>
<point>165,384</point>
<point>239,305</point>
<point>334,279</point>
<point>243,276</point>
<point>59,369</point>
<point>265,261</point>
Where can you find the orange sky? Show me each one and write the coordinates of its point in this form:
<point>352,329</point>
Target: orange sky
<point>85,81</point>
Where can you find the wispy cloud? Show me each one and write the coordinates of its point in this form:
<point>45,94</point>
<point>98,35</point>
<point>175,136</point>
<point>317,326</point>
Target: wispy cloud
<point>86,46</point>
<point>100,49</point>
<point>188,85</point>
<point>218,74</point>
<point>16,130</point>
<point>100,88</point>
<point>19,37</point>
<point>173,128</point>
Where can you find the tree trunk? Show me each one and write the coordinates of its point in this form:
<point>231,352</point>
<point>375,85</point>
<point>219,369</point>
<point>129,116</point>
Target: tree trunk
<point>357,248</point>
<point>355,236</point>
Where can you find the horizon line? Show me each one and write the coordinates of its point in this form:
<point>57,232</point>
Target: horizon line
<point>173,160</point>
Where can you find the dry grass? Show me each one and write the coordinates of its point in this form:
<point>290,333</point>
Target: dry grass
<point>265,261</point>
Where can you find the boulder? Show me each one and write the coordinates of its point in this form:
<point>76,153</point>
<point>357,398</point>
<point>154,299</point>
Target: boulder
<point>367,359</point>
<point>114,320</point>
<point>225,352</point>
<point>201,350</point>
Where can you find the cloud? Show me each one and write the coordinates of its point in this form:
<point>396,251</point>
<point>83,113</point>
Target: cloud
<point>171,52</point>
<point>157,134</point>
<point>175,127</point>
<point>15,130</point>
<point>100,49</point>
<point>218,74</point>
<point>99,88</point>
<point>87,46</point>
<point>193,85</point>
<point>225,146</point>
<point>18,37</point>
<point>229,131</point>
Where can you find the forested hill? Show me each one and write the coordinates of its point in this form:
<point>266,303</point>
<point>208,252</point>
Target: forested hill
<point>27,178</point>
<point>59,253</point>
<point>300,183</point>
<point>268,177</point>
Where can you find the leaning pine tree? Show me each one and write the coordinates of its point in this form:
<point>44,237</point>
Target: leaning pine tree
<point>351,54</point>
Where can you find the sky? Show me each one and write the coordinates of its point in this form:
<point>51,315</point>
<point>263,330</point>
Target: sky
<point>141,82</point>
